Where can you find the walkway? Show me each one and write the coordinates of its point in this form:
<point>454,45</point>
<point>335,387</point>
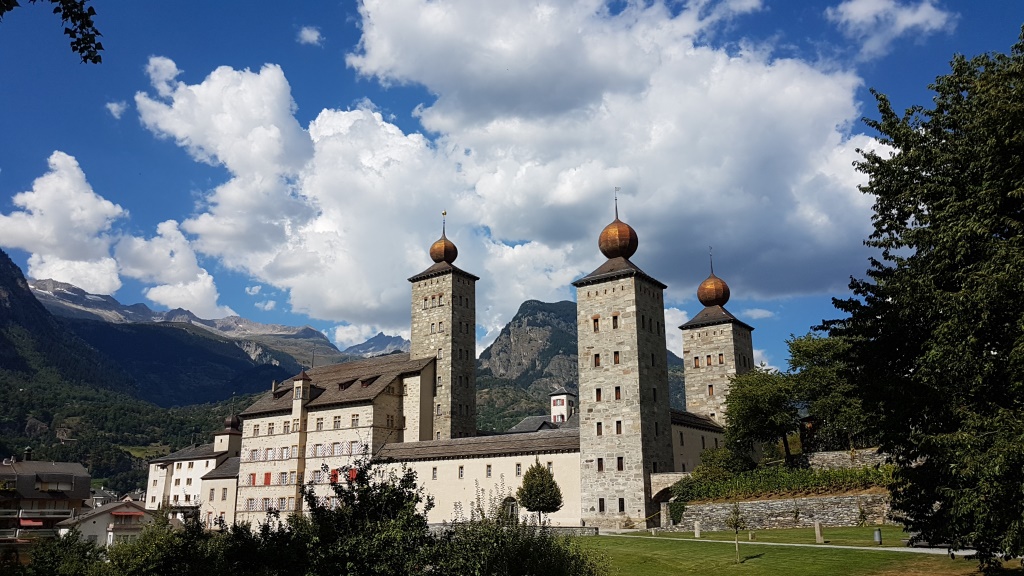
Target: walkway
<point>906,549</point>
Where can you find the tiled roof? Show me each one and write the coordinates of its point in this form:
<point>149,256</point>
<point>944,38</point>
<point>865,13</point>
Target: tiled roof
<point>228,469</point>
<point>440,269</point>
<point>698,421</point>
<point>193,452</point>
<point>532,424</point>
<point>359,381</point>
<point>571,422</point>
<point>712,315</point>
<point>615,268</point>
<point>545,441</point>
<point>561,391</point>
<point>103,509</point>
<point>24,475</point>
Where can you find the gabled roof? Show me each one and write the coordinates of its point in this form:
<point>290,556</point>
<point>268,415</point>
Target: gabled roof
<point>615,268</point>
<point>532,424</point>
<point>21,477</point>
<point>440,269</point>
<point>349,382</point>
<point>193,452</point>
<point>131,506</point>
<point>698,421</point>
<point>563,391</point>
<point>712,315</point>
<point>227,469</point>
<point>545,441</point>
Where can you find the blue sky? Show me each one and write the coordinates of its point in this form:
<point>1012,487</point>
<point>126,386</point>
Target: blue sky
<point>289,162</point>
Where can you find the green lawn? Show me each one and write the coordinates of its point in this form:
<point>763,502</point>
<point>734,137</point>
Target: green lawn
<point>856,536</point>
<point>639,556</point>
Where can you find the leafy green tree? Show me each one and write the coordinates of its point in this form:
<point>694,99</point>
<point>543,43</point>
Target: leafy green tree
<point>736,522</point>
<point>762,408</point>
<point>818,367</point>
<point>66,555</point>
<point>77,16</point>
<point>936,330</point>
<point>539,492</point>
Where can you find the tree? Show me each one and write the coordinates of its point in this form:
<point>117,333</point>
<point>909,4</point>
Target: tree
<point>817,365</point>
<point>736,522</point>
<point>77,15</point>
<point>762,408</point>
<point>539,492</point>
<point>936,330</point>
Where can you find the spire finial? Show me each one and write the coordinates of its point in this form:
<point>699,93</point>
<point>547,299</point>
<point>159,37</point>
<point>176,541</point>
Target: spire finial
<point>617,188</point>
<point>444,214</point>
<point>711,259</point>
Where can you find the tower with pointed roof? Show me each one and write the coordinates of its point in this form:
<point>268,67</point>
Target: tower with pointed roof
<point>444,327</point>
<point>625,423</point>
<point>716,347</point>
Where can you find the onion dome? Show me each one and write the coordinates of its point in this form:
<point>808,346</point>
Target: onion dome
<point>713,291</point>
<point>443,250</point>
<point>232,423</point>
<point>618,239</point>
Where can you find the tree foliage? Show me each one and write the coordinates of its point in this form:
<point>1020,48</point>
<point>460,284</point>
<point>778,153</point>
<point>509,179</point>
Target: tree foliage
<point>539,491</point>
<point>76,15</point>
<point>936,330</point>
<point>762,407</point>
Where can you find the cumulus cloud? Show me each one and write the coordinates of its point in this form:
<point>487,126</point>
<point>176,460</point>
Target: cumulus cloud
<point>253,290</point>
<point>66,227</point>
<point>266,305</point>
<point>674,317</point>
<point>877,23</point>
<point>539,111</point>
<point>309,35</point>
<point>117,109</point>
<point>757,313</point>
<point>346,335</point>
<point>198,295</point>
<point>761,358</point>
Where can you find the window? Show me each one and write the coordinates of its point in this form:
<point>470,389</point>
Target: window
<point>558,402</point>
<point>255,429</point>
<point>154,481</point>
<point>652,358</point>
<point>424,303</point>
<point>188,497</point>
<point>295,451</point>
<point>252,479</point>
<point>295,425</point>
<point>438,436</point>
<point>337,422</point>
<point>433,327</point>
<point>519,469</point>
<point>177,481</point>
<point>488,470</point>
<point>266,478</point>
<point>600,429</point>
<point>708,362</point>
<point>615,357</point>
<point>618,393</point>
<point>266,504</point>
<point>355,420</point>
<point>270,428</point>
<point>654,467</point>
<point>281,503</point>
<point>600,504</point>
<point>291,503</point>
<point>681,441</point>
<point>550,467</point>
<point>703,444</point>
<point>269,454</point>
<point>298,393</point>
<point>438,411</point>
<point>213,493</point>
<point>597,360</point>
<point>622,504</point>
<point>250,504</point>
<point>600,464</point>
<point>597,324</point>
<point>655,428</point>
<point>286,427</point>
<point>433,301</point>
<point>654,394</point>
<point>175,497</point>
<point>188,482</point>
<point>152,498</point>
<point>618,426</point>
<point>615,321</point>
<point>291,477</point>
<point>597,395</point>
<point>440,299</point>
<point>711,389</point>
<point>440,326</point>
<point>319,424</point>
<point>461,472</point>
<point>696,361</point>
<point>721,358</point>
<point>619,463</point>
<point>440,353</point>
<point>433,473</point>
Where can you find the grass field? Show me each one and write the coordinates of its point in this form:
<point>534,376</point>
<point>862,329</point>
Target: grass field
<point>646,556</point>
<point>892,536</point>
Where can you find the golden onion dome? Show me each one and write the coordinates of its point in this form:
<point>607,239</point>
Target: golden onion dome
<point>713,291</point>
<point>618,239</point>
<point>443,250</point>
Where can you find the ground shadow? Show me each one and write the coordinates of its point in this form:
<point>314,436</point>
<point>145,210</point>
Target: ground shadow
<point>755,556</point>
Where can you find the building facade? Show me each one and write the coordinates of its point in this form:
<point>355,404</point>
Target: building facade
<point>35,496</point>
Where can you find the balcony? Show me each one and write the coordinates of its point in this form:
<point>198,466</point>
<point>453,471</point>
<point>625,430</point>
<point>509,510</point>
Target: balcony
<point>8,513</point>
<point>8,533</point>
<point>119,528</point>
<point>44,513</point>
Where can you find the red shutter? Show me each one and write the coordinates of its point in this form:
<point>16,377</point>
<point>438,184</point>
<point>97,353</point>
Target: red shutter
<point>334,476</point>
<point>352,474</point>
<point>266,479</point>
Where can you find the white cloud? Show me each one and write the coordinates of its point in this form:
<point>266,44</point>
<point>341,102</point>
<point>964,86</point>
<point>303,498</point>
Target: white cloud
<point>198,295</point>
<point>757,313</point>
<point>761,358</point>
<point>253,290</point>
<point>674,318</point>
<point>309,35</point>
<point>347,335</point>
<point>117,109</point>
<point>877,23</point>
<point>66,227</point>
<point>266,305</point>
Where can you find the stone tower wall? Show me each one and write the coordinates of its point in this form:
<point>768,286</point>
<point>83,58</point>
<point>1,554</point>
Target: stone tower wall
<point>634,421</point>
<point>444,327</point>
<point>731,352</point>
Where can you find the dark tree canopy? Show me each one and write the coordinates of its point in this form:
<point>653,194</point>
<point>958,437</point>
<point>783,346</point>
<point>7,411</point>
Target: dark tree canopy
<point>76,15</point>
<point>936,330</point>
<point>539,492</point>
<point>762,407</point>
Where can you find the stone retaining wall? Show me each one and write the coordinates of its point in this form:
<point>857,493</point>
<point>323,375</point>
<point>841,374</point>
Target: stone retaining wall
<point>846,459</point>
<point>791,513</point>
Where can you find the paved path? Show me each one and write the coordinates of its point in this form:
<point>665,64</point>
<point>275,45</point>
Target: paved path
<point>905,549</point>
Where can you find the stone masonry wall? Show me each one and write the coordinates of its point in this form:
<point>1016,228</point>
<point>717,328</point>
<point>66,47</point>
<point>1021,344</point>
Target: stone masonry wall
<point>711,356</point>
<point>872,509</point>
<point>846,459</point>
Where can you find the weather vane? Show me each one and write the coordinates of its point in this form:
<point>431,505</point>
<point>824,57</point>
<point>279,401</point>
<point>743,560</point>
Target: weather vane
<point>444,214</point>
<point>617,188</point>
<point>711,259</point>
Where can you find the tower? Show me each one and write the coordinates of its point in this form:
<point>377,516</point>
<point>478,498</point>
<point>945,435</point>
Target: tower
<point>716,346</point>
<point>623,384</point>
<point>444,327</point>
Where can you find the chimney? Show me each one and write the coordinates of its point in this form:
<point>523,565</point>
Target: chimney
<point>273,385</point>
<point>28,453</point>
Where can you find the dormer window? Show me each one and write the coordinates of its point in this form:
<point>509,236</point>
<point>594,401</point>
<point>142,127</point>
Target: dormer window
<point>298,392</point>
